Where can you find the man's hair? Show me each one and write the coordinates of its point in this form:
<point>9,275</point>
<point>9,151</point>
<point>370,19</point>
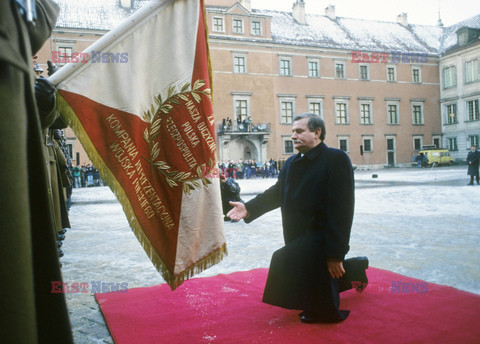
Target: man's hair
<point>314,122</point>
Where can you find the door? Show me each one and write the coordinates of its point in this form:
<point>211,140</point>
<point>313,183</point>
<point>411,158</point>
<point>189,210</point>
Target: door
<point>390,151</point>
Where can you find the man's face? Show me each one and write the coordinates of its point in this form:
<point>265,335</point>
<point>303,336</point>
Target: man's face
<point>303,138</point>
<point>474,148</point>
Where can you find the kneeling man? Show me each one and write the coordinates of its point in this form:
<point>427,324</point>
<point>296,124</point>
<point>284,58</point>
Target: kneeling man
<point>315,190</point>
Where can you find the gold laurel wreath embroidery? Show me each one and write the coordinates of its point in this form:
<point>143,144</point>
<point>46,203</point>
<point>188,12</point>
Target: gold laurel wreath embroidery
<point>154,117</point>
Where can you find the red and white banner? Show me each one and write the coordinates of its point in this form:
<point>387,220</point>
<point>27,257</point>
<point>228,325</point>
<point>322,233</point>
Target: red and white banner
<point>139,100</point>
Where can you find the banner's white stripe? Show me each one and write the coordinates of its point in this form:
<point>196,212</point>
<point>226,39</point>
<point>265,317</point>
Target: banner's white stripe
<point>200,226</point>
<point>159,43</point>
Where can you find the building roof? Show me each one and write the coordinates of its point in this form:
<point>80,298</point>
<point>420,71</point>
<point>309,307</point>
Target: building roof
<point>321,31</point>
<point>94,14</point>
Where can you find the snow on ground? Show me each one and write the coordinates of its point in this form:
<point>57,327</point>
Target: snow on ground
<point>422,223</point>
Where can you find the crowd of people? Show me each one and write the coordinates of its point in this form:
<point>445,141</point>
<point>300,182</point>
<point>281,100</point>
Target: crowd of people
<point>245,125</point>
<point>86,176</point>
<point>250,168</point>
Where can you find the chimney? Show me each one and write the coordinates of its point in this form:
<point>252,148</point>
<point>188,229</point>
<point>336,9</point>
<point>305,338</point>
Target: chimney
<point>299,12</point>
<point>330,12</point>
<point>402,19</point>
<point>126,4</point>
<point>247,4</point>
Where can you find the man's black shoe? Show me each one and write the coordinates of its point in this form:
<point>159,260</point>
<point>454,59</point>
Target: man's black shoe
<point>309,317</point>
<point>355,275</point>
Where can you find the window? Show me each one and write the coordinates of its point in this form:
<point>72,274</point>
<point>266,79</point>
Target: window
<point>390,144</point>
<point>340,70</point>
<point>452,144</point>
<point>449,77</point>
<point>65,54</point>
<point>462,37</point>
<point>315,106</point>
<point>417,114</point>
<point>341,113</point>
<point>237,26</point>
<point>365,114</point>
<point>288,147</point>
<point>416,75</point>
<point>287,111</point>
<point>451,113</point>
<point>239,64</point>
<point>241,109</point>
<point>417,143</point>
<point>218,24</point>
<point>313,69</point>
<point>472,110</point>
<point>471,71</point>
<point>256,28</point>
<point>473,139</point>
<point>343,144</point>
<point>364,72</point>
<point>392,114</point>
<point>436,141</point>
<point>367,144</point>
<point>391,73</point>
<point>285,66</point>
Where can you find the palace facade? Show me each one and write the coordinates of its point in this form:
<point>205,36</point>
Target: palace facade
<point>379,85</point>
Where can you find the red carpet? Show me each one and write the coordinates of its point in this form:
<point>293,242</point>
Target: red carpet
<point>228,309</point>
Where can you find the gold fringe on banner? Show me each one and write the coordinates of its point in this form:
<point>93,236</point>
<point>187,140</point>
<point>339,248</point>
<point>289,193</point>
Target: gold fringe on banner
<point>173,281</point>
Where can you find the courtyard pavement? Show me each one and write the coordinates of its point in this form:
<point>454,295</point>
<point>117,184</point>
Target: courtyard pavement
<point>423,223</point>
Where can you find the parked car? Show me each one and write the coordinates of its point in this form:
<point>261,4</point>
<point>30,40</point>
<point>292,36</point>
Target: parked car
<point>437,156</point>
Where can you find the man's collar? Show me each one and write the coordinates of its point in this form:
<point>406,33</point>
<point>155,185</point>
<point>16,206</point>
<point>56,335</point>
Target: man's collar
<point>314,152</point>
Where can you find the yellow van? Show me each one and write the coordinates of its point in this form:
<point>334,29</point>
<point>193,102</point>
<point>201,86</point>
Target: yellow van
<point>437,156</point>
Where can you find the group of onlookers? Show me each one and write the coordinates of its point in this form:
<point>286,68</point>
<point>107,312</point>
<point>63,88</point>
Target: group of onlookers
<point>248,169</point>
<point>86,175</point>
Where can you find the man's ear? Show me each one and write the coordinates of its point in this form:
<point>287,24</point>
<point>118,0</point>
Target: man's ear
<point>318,133</point>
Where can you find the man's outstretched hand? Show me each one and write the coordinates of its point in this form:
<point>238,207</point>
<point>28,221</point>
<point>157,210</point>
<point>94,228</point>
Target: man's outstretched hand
<point>238,212</point>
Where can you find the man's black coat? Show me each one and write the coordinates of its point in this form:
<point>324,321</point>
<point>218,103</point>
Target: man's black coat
<point>473,157</point>
<point>316,196</point>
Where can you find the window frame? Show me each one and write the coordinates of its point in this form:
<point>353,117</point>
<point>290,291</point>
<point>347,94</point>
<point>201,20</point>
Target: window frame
<point>451,71</point>
<point>474,115</point>
<point>344,69</point>
<point>341,120</point>
<point>361,112</point>
<point>421,114</point>
<point>454,147</point>
<point>420,139</point>
<point>235,27</point>
<point>215,26</point>
<point>286,118</point>
<point>367,66</point>
<point>394,74</point>
<point>451,119</point>
<point>474,141</point>
<point>313,72</point>
<point>287,141</point>
<point>370,139</point>
<point>397,113</point>
<point>237,67</point>
<point>316,100</point>
<point>256,31</point>
<point>419,70</point>
<point>283,68</point>
<point>347,143</point>
<point>474,71</point>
